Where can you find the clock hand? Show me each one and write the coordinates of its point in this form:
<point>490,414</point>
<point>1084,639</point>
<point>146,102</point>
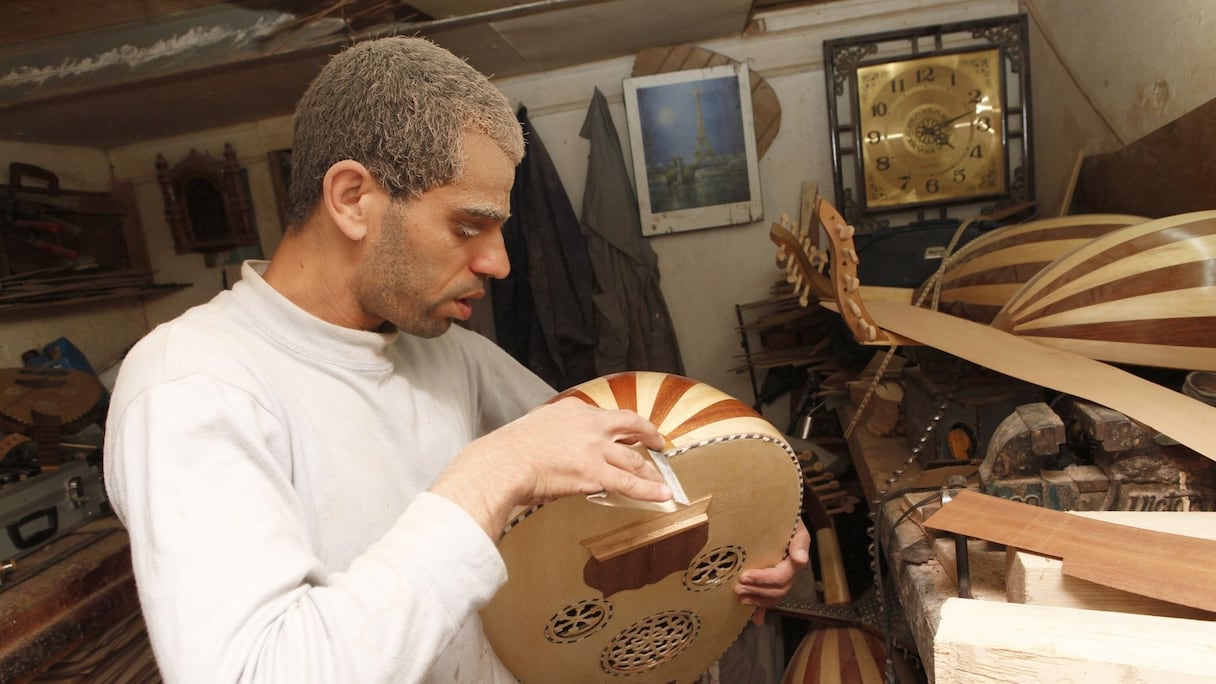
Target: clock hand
<point>938,134</point>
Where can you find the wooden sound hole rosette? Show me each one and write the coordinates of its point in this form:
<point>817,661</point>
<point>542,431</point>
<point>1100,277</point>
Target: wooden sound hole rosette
<point>715,568</point>
<point>650,643</point>
<point>578,621</point>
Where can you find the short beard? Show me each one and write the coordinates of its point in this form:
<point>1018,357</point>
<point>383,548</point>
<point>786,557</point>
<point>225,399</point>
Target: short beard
<point>381,276</point>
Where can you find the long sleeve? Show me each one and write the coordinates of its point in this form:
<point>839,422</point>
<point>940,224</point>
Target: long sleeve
<point>272,472</point>
<point>236,591</point>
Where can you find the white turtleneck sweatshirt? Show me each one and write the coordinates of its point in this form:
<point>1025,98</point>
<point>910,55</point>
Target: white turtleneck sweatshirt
<point>272,470</point>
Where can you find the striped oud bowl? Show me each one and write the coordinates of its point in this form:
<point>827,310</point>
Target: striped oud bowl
<point>601,593</point>
<point>985,273</point>
<point>1142,295</point>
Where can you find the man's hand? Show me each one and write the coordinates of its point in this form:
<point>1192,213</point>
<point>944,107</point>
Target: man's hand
<point>567,447</point>
<point>765,588</point>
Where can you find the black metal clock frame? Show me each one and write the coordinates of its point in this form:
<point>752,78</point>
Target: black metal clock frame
<point>842,57</point>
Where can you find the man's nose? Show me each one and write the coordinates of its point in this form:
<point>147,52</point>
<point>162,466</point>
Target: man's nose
<point>491,258</point>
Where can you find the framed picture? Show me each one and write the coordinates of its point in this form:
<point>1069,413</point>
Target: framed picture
<point>694,149</point>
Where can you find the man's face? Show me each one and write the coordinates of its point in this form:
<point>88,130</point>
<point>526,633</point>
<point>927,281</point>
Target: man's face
<point>431,255</point>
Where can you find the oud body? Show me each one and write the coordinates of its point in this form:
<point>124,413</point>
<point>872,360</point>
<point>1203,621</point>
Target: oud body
<point>616,593</point>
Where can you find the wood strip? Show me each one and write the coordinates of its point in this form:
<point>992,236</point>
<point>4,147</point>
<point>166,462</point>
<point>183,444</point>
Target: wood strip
<point>1160,565</point>
<point>1186,420</point>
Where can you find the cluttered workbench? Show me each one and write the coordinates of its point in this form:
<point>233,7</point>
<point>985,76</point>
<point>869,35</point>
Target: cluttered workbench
<point>907,463</point>
<point>920,579</point>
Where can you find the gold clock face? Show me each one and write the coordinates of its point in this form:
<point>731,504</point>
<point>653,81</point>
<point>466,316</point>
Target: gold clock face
<point>931,129</point>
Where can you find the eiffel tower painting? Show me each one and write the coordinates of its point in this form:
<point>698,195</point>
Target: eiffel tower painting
<point>694,148</point>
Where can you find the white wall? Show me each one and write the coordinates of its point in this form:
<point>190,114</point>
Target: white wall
<point>1142,64</point>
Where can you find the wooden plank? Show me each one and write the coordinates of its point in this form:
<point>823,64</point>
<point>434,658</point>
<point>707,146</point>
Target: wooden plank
<point>1168,171</point>
<point>1039,580</point>
<point>68,601</point>
<point>991,641</point>
<point>1169,567</point>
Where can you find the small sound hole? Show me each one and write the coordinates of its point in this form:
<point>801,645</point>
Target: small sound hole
<point>714,568</point>
<point>578,621</point>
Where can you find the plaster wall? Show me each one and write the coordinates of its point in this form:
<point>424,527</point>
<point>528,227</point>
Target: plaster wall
<point>1108,72</point>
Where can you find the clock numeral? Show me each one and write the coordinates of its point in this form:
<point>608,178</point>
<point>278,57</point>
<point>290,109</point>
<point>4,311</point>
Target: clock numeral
<point>932,186</point>
<point>976,152</point>
<point>879,109</point>
<point>984,124</point>
<point>883,163</point>
<point>975,96</point>
<point>874,137</point>
<point>960,176</point>
<point>925,75</point>
<point>904,181</point>
<point>897,85</point>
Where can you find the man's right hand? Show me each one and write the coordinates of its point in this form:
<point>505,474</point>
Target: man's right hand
<point>567,447</point>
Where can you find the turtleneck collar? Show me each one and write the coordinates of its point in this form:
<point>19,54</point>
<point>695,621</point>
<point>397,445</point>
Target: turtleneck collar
<point>303,333</point>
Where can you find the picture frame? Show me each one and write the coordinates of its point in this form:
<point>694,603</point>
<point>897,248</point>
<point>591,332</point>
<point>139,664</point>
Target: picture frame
<point>693,142</point>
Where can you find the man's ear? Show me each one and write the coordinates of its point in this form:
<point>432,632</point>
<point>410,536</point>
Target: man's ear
<point>350,195</point>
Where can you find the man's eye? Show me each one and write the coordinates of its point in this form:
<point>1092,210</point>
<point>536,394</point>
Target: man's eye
<point>466,230</point>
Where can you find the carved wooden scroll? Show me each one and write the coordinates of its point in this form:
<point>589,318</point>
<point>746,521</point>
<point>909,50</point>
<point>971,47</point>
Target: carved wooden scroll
<point>607,593</point>
<point>805,264</point>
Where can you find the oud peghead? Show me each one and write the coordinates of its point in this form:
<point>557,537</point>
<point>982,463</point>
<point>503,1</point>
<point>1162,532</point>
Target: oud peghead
<point>846,285</point>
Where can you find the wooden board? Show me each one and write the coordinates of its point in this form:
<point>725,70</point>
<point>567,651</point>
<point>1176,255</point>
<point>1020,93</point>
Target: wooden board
<point>992,641</point>
<point>1159,565</point>
<point>63,595</point>
<point>1040,580</point>
<point>1168,171</point>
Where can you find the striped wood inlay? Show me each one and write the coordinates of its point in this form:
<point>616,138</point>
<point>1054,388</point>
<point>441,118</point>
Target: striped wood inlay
<point>1144,295</point>
<point>684,410</point>
<point>985,273</point>
<point>837,655</point>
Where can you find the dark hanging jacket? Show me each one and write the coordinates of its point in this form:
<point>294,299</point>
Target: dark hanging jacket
<point>635,330</point>
<point>543,313</point>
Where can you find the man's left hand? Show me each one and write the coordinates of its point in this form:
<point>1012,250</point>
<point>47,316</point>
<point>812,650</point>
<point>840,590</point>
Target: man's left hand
<point>764,588</point>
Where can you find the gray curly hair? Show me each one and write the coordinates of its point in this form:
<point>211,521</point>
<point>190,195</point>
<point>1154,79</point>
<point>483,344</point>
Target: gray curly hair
<point>401,107</point>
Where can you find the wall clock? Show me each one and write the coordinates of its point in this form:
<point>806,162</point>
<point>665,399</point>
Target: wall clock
<point>930,123</point>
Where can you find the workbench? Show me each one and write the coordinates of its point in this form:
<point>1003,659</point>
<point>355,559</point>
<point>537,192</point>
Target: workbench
<point>921,580</point>
<point>71,613</point>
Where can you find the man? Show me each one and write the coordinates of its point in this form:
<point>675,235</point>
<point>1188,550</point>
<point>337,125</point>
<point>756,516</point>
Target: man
<point>315,467</point>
